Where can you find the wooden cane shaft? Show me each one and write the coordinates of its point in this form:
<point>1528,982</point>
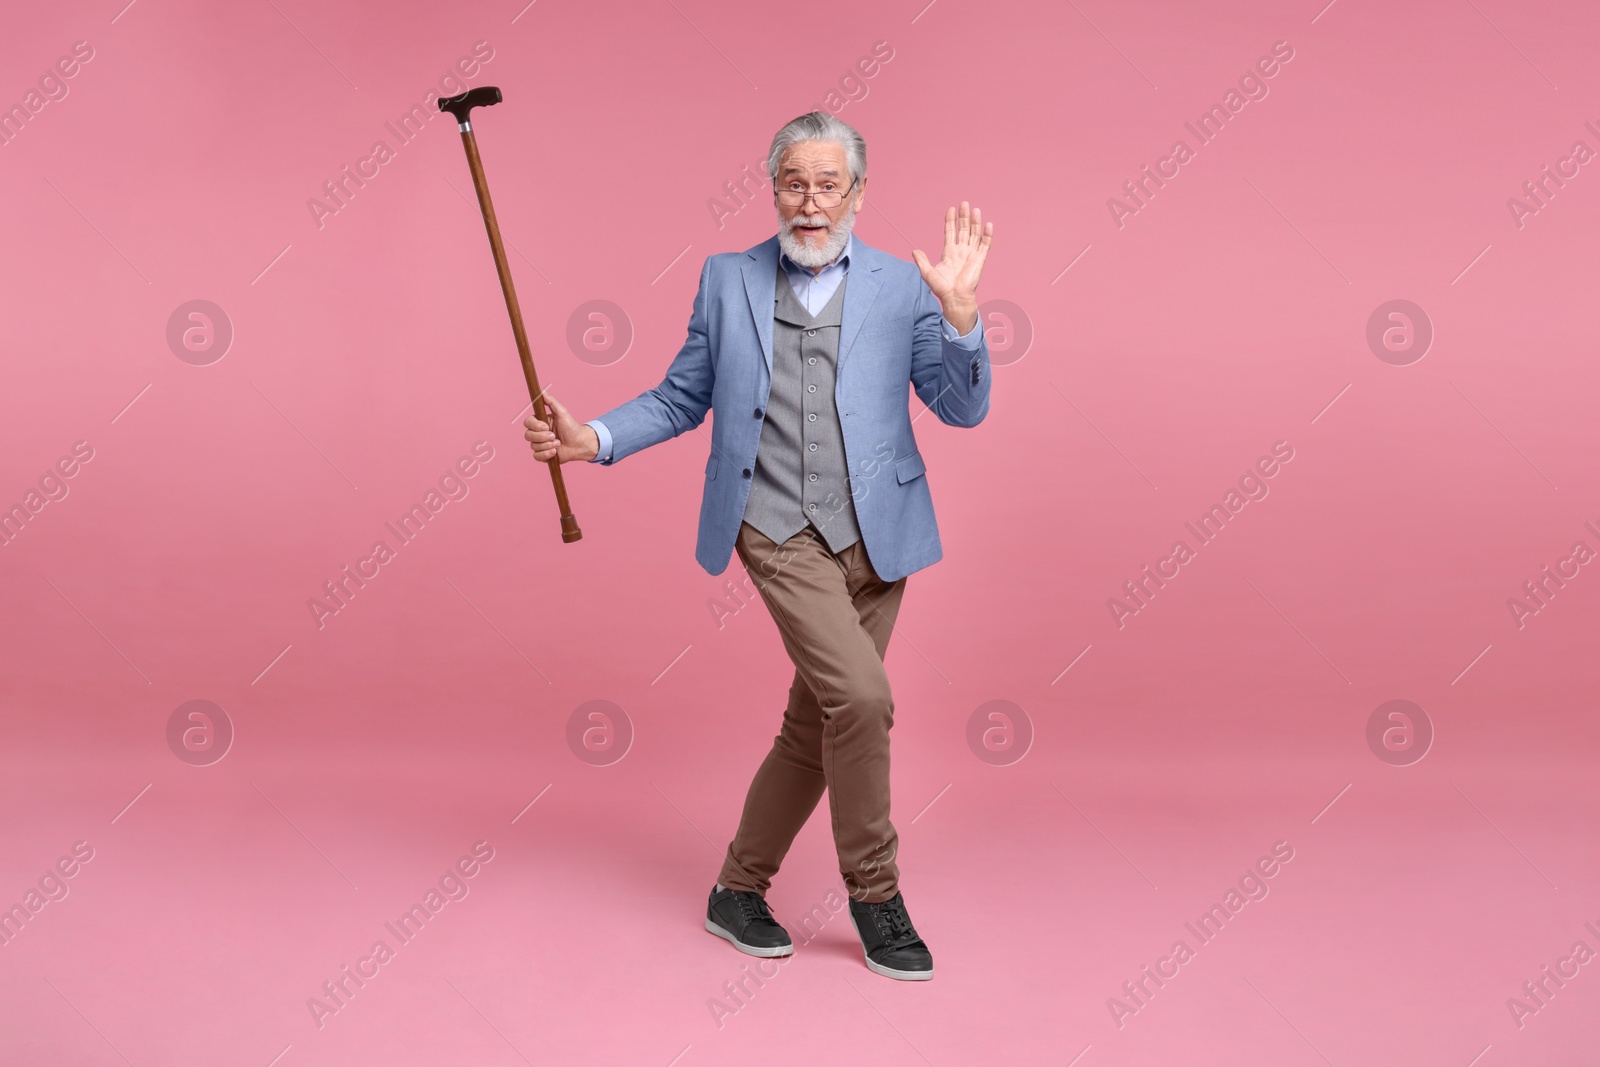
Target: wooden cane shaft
<point>569,523</point>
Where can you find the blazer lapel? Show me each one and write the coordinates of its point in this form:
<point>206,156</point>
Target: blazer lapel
<point>862,283</point>
<point>760,272</point>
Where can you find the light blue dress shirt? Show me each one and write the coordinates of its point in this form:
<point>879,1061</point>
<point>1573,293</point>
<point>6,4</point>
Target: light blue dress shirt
<point>814,290</point>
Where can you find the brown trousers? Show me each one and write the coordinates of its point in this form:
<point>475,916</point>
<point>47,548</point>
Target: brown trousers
<point>835,616</point>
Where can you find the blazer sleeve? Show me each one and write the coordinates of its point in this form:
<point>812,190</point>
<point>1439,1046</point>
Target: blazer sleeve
<point>682,399</point>
<point>951,379</point>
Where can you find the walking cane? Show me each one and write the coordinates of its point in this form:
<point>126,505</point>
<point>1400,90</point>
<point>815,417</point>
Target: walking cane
<point>461,107</point>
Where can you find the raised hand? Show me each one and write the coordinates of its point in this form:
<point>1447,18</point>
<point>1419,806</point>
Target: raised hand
<point>954,279</point>
<point>569,440</point>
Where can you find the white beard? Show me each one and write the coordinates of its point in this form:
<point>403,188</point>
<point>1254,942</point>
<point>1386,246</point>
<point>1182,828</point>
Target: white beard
<point>803,252</point>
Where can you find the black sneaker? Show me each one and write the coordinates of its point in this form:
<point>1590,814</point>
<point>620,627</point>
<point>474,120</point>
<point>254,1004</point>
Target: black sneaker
<point>744,920</point>
<point>890,942</point>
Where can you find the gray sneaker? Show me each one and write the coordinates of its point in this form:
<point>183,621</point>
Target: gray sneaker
<point>890,942</point>
<point>744,921</point>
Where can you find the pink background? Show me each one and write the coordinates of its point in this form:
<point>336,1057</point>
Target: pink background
<point>369,354</point>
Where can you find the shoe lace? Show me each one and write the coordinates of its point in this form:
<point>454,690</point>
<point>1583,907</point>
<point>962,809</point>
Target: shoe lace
<point>752,907</point>
<point>893,921</point>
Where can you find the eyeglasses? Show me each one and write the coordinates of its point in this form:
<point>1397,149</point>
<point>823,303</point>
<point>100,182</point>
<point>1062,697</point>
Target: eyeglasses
<point>826,198</point>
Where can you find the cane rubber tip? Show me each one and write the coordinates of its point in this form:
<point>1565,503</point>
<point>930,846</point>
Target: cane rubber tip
<point>569,529</point>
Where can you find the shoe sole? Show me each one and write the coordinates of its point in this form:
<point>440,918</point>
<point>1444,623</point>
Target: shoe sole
<point>748,950</point>
<point>890,972</point>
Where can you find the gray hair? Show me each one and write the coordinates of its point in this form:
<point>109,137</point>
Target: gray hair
<point>820,126</point>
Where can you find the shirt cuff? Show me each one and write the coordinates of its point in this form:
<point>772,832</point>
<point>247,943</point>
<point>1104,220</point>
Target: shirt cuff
<point>970,340</point>
<point>604,455</point>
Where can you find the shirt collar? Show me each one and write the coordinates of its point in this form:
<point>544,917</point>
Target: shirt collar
<point>842,263</point>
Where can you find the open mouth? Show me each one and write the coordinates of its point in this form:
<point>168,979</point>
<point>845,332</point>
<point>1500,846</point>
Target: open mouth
<point>810,231</point>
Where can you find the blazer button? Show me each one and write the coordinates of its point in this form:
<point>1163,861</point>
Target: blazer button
<point>747,472</point>
<point>758,413</point>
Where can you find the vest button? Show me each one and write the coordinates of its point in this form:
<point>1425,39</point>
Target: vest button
<point>746,472</point>
<point>813,446</point>
<point>811,333</point>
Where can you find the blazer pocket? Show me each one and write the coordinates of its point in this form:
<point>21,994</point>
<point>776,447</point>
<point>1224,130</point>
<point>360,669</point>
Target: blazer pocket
<point>711,467</point>
<point>910,467</point>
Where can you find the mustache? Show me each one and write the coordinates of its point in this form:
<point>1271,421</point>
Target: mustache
<point>809,220</point>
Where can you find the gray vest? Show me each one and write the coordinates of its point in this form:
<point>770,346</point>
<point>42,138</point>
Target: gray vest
<point>801,475</point>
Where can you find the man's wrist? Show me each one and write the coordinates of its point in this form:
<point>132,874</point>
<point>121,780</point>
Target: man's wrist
<point>962,314</point>
<point>594,445</point>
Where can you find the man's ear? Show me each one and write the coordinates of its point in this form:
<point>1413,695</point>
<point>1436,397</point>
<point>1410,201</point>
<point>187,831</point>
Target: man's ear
<point>861,194</point>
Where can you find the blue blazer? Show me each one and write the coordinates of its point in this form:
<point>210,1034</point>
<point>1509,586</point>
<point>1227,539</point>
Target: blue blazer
<point>891,336</point>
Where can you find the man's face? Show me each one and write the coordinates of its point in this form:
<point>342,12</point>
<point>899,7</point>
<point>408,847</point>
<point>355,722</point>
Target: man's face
<point>810,231</point>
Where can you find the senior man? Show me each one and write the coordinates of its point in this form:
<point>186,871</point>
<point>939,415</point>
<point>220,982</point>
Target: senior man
<point>805,345</point>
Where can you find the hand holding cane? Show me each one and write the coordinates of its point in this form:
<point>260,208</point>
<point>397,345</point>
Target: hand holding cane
<point>461,107</point>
